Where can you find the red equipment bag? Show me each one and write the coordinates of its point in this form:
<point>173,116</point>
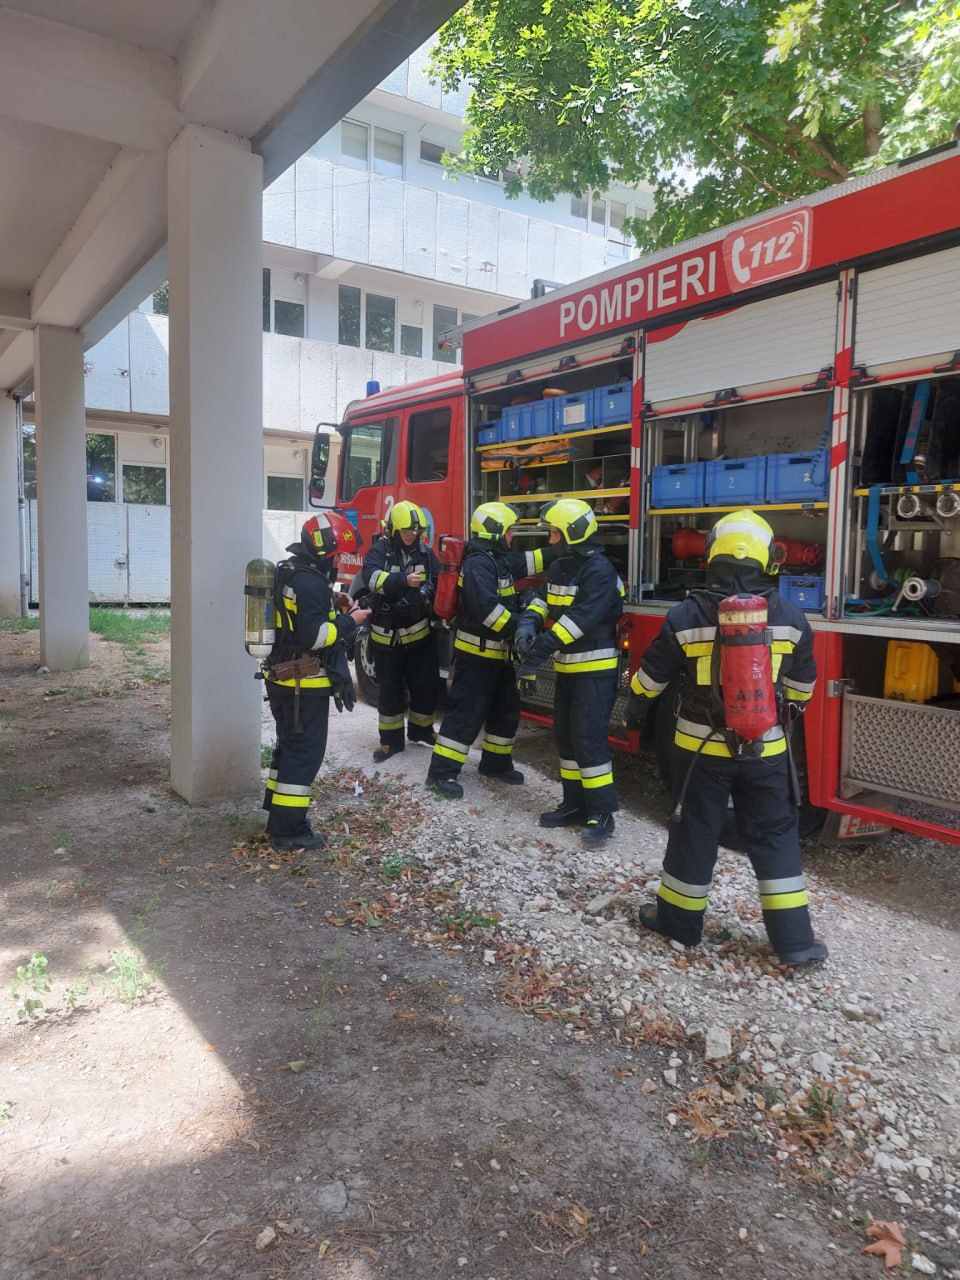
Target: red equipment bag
<point>447,598</point>
<point>746,673</point>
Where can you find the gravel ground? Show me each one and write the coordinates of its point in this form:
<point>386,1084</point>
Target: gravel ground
<point>848,1074</point>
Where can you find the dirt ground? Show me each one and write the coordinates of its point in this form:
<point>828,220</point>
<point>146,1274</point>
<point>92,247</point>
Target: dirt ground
<point>249,1066</point>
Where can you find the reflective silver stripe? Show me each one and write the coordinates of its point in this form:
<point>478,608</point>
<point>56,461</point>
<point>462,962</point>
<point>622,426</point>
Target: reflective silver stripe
<point>742,526</point>
<point>595,770</point>
<point>785,633</point>
<point>696,635</point>
<point>801,686</point>
<point>562,589</point>
<point>531,558</point>
<point>496,612</point>
<point>468,638</point>
<point>641,678</point>
<point>569,764</point>
<point>325,636</point>
<point>292,789</point>
<point>289,593</point>
<point>502,742</point>
<point>453,745</point>
<point>381,631</point>
<point>791,884</point>
<point>693,730</point>
<point>586,655</point>
<point>681,886</point>
<point>570,625</point>
<point>505,585</point>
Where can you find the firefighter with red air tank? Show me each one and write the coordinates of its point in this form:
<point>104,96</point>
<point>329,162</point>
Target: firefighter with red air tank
<point>744,657</point>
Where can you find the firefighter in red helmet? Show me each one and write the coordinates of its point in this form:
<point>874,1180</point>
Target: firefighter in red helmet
<point>306,666</point>
<point>735,644</point>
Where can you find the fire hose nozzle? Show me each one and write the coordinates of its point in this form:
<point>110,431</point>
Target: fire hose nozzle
<point>920,589</point>
<point>908,506</point>
<point>948,503</point>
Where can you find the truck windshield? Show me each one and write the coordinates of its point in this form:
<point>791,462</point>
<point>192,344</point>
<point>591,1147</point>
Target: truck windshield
<point>371,457</point>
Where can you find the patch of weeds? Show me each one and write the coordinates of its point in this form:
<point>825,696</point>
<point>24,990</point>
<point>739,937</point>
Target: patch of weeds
<point>129,628</point>
<point>317,1028</point>
<point>823,1104</point>
<point>75,994</point>
<point>772,1098</point>
<point>266,755</point>
<point>6,722</point>
<point>19,624</point>
<point>463,920</point>
<point>4,1113</point>
<point>126,974</point>
<point>397,866</point>
<point>701,1153</point>
<point>33,976</point>
<point>42,784</point>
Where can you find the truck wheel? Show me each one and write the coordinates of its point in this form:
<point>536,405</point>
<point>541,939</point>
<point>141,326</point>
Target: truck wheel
<point>367,685</point>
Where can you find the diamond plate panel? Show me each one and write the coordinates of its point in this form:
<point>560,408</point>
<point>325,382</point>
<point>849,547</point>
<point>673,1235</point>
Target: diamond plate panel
<point>542,697</point>
<point>901,749</point>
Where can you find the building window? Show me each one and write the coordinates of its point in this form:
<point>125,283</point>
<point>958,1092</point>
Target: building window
<point>580,208</point>
<point>431,152</point>
<point>603,217</point>
<point>388,153</point>
<point>289,318</point>
<point>444,318</point>
<point>101,468</point>
<point>29,441</point>
<point>348,333</point>
<point>267,311</point>
<point>381,323</point>
<point>285,493</point>
<point>429,446</point>
<point>411,340</point>
<point>618,216</point>
<point>145,486</point>
<point>354,141</point>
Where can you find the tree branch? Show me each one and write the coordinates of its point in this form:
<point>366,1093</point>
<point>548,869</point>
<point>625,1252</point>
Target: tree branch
<point>739,161</point>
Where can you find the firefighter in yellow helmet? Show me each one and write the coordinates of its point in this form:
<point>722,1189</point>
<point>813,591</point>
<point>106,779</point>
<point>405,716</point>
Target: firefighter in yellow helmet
<point>584,600</point>
<point>306,667</point>
<point>400,571</point>
<point>484,692</point>
<point>715,761</point>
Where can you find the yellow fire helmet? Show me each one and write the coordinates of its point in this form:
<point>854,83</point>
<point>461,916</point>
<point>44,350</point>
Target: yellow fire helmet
<point>574,519</point>
<point>491,520</point>
<point>742,535</point>
<point>406,515</point>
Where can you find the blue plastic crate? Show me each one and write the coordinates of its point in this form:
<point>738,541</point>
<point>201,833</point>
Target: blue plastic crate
<point>516,422</point>
<point>797,477</point>
<point>488,433</point>
<point>612,405</point>
<point>807,593</point>
<point>573,412</point>
<point>732,481</point>
<point>680,485</point>
<point>541,418</point>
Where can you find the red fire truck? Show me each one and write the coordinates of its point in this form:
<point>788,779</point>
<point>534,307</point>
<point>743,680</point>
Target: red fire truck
<point>804,363</point>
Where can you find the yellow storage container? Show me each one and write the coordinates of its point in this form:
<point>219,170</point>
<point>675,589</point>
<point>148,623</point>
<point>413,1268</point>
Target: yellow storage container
<point>912,673</point>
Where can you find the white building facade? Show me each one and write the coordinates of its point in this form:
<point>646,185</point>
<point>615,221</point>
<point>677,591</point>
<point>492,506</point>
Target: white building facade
<point>371,251</point>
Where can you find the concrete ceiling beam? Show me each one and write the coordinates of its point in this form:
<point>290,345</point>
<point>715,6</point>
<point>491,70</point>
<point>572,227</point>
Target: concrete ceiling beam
<point>15,309</point>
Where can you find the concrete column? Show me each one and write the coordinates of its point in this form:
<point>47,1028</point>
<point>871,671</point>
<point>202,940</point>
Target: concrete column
<point>214,200</point>
<point>61,499</point>
<point>9,508</point>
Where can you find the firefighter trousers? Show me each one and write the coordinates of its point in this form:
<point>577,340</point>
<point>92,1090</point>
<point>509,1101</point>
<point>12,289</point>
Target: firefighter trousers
<point>582,707</point>
<point>767,821</point>
<point>484,695</point>
<point>297,758</point>
<point>403,669</point>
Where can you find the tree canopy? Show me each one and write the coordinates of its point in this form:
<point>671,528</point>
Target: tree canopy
<point>727,107</point>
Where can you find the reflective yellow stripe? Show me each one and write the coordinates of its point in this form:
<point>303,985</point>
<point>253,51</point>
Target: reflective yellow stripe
<point>797,695</point>
<point>499,655</point>
<point>679,900</point>
<point>537,607</point>
<point>704,673</point>
<point>601,780</point>
<point>390,722</point>
<point>566,667</point>
<point>408,635</point>
<point>420,718</point>
<point>775,660</point>
<point>290,802</point>
<point>381,579</point>
<point>717,747</point>
<point>497,748</point>
<point>699,650</point>
<point>312,682</point>
<point>783,901</point>
<point>500,621</point>
<point>459,756</point>
<point>561,632</point>
<point>570,775</point>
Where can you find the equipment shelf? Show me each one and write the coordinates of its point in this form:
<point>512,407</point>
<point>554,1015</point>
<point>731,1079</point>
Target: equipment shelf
<point>893,489</point>
<point>557,435</point>
<point>754,506</point>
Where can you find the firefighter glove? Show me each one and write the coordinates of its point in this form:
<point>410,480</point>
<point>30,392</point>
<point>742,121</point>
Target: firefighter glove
<point>635,714</point>
<point>527,677</point>
<point>524,636</point>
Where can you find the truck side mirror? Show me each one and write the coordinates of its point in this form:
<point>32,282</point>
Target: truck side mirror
<point>319,459</point>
